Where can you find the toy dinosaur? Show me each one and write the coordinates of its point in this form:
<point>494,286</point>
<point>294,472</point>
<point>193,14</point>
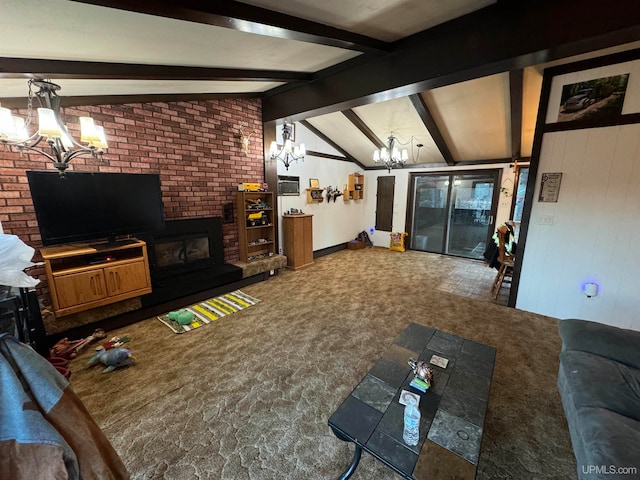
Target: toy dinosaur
<point>112,358</point>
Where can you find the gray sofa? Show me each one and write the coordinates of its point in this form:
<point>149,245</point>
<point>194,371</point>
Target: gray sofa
<point>599,382</point>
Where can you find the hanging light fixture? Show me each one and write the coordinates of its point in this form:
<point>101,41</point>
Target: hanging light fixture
<point>392,156</point>
<point>288,153</point>
<point>51,129</point>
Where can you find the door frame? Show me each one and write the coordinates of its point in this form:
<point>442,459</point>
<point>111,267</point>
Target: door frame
<point>494,200</point>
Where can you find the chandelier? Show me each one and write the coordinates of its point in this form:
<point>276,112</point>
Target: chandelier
<point>52,132</point>
<point>288,153</point>
<point>392,156</point>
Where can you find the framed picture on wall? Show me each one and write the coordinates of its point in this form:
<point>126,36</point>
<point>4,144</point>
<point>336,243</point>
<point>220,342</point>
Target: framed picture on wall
<point>314,183</point>
<point>550,187</point>
<point>595,99</point>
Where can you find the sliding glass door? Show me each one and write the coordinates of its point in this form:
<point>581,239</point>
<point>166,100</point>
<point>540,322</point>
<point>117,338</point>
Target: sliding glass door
<point>453,213</point>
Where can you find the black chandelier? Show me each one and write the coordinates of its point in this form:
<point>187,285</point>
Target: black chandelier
<point>288,153</point>
<point>391,156</point>
<point>52,132</point>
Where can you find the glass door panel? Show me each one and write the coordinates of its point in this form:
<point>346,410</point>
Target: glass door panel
<point>453,214</point>
<point>521,190</point>
<point>430,212</point>
<point>472,199</point>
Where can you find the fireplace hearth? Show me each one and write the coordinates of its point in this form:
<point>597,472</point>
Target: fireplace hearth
<point>187,257</point>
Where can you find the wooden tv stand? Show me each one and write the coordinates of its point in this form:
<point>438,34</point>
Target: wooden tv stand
<point>86,276</point>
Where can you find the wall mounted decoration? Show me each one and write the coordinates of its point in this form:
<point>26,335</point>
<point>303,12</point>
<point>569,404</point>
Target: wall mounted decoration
<point>550,187</point>
<point>594,99</point>
<point>245,137</point>
<point>315,195</point>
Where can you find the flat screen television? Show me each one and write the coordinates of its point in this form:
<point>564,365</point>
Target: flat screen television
<point>85,206</point>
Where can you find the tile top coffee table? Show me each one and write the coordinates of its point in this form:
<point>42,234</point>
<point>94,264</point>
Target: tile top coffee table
<point>452,410</point>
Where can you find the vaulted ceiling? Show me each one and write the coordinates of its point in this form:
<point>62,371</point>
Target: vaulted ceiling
<point>462,78</point>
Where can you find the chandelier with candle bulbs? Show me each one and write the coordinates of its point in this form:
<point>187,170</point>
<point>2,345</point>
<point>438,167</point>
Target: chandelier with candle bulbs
<point>52,139</point>
<point>391,156</point>
<point>289,153</point>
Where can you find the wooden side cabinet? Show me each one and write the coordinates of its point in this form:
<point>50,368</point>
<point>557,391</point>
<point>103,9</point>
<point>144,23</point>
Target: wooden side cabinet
<point>298,240</point>
<point>82,277</point>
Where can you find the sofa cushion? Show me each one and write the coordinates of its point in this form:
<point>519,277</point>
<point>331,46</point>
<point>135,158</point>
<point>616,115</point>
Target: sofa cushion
<point>598,382</point>
<point>603,440</point>
<point>605,340</point>
<point>610,442</point>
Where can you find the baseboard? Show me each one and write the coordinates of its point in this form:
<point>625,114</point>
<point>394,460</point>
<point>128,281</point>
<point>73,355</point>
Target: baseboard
<point>329,250</point>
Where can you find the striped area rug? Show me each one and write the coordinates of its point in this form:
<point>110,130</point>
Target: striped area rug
<point>211,310</point>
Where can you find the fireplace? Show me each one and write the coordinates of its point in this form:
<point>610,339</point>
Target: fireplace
<point>186,251</point>
<point>187,257</point>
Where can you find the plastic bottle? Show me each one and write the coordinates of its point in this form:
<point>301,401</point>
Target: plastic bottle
<point>411,423</point>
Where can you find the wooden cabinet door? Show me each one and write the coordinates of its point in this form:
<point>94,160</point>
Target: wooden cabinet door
<point>307,235</point>
<point>125,278</point>
<point>78,288</point>
<point>298,240</point>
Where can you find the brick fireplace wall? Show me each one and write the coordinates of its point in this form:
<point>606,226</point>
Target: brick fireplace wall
<point>194,146</point>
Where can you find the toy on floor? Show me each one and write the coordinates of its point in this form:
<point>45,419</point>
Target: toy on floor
<point>114,342</point>
<point>69,349</point>
<point>113,358</point>
<point>182,316</point>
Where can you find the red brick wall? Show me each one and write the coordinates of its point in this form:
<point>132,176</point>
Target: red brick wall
<point>194,146</point>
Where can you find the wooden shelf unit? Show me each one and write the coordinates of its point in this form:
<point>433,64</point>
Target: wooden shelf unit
<point>355,187</point>
<point>86,276</point>
<point>297,231</point>
<point>255,241</point>
<point>314,195</point>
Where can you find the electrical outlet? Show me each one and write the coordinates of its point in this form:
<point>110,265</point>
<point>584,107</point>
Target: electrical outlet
<point>544,219</point>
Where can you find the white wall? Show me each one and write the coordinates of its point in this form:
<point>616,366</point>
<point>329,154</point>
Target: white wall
<point>333,223</point>
<point>594,232</point>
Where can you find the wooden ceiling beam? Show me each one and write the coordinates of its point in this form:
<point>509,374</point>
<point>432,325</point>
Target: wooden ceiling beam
<point>363,127</point>
<point>313,153</point>
<point>333,144</point>
<point>516,86</point>
<point>82,100</point>
<point>429,122</point>
<point>249,19</point>
<point>495,39</point>
<point>487,161</point>
<point>38,68</point>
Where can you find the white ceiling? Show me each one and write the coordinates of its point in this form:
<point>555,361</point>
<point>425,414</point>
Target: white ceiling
<point>473,117</point>
<point>387,20</point>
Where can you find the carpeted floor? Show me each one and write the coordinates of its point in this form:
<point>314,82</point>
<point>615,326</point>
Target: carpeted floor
<point>248,397</point>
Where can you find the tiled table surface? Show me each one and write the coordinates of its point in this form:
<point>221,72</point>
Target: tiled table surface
<point>452,410</point>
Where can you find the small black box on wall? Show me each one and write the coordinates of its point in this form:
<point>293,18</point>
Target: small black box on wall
<point>227,213</point>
